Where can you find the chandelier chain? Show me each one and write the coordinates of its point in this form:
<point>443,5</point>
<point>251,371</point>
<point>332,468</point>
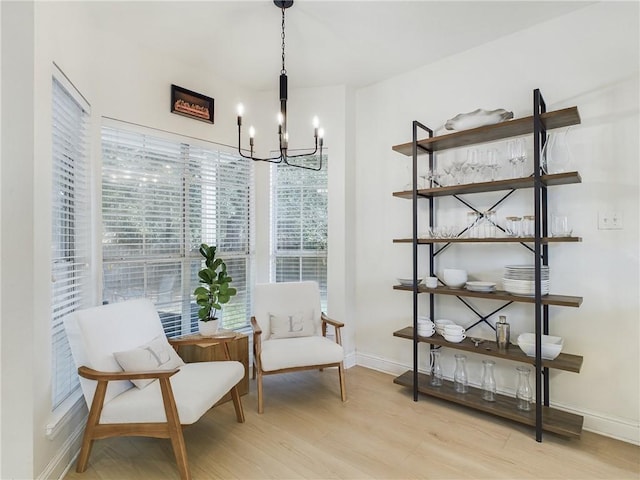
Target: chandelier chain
<point>284,70</point>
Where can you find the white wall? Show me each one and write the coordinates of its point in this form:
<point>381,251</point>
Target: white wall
<point>126,82</point>
<point>570,61</point>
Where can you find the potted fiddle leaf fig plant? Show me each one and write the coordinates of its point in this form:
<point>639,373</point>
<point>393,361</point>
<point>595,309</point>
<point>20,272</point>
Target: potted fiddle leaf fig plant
<point>214,291</point>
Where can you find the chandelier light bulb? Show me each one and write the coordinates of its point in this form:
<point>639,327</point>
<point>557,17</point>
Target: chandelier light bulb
<point>316,122</point>
<point>252,132</point>
<point>321,133</point>
<point>280,118</point>
<point>240,109</point>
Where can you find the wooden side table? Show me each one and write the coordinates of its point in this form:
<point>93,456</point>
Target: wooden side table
<point>198,348</point>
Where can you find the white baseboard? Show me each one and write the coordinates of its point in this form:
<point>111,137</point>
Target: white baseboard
<point>65,457</point>
<point>620,429</point>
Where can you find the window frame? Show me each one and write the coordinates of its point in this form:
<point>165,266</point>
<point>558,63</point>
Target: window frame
<point>188,256</point>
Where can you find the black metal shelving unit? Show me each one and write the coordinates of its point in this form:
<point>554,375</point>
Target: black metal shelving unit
<point>543,417</point>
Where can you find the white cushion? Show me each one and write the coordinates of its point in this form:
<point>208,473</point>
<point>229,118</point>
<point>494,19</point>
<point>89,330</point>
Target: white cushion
<point>95,333</point>
<point>299,352</point>
<point>295,324</point>
<point>285,297</point>
<point>196,388</point>
<point>152,356</point>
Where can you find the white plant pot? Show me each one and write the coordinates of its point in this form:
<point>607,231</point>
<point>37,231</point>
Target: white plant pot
<point>209,328</point>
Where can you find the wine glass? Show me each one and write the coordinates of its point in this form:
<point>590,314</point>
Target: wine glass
<point>474,164</point>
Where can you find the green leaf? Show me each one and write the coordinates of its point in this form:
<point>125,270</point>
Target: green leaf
<point>217,306</point>
<point>201,291</point>
<point>232,291</point>
<point>203,312</point>
<point>205,275</point>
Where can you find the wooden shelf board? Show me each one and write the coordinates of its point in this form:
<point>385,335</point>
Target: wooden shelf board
<point>425,241</point>
<point>558,300</point>
<point>553,420</point>
<point>564,361</point>
<point>565,178</point>
<point>512,128</point>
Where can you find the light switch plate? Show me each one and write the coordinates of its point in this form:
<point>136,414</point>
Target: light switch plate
<point>609,221</point>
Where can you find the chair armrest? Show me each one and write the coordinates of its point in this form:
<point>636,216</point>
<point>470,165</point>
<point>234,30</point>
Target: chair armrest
<point>331,322</point>
<point>92,374</point>
<point>257,340</point>
<point>335,324</point>
<point>256,328</point>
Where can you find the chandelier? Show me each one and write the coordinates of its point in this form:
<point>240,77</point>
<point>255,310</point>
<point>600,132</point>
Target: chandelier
<point>283,155</point>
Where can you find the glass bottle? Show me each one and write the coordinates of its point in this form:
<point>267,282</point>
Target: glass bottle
<point>460,379</point>
<point>524,394</point>
<point>488,381</point>
<point>436,369</point>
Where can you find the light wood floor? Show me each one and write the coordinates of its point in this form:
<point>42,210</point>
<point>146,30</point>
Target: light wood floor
<point>307,433</point>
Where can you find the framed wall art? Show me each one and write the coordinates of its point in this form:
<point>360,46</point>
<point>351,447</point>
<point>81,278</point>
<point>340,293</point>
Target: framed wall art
<point>191,104</point>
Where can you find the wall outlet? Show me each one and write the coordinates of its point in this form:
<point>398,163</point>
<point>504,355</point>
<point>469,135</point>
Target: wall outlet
<point>609,221</point>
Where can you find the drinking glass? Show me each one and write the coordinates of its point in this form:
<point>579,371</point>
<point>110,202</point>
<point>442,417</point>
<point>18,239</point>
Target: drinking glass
<point>492,163</point>
<point>473,163</point>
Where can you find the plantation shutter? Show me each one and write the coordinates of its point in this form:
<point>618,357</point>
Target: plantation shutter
<point>299,225</point>
<point>161,198</point>
<point>70,227</point>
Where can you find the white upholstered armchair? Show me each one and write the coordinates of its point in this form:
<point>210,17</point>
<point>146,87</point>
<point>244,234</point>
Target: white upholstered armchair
<point>289,333</point>
<point>134,382</point>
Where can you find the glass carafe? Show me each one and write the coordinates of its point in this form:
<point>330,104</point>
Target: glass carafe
<point>460,379</point>
<point>488,381</point>
<point>556,157</point>
<point>436,369</point>
<point>524,394</point>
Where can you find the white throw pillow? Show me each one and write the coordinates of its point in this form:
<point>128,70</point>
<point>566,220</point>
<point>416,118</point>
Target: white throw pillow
<point>152,356</point>
<point>287,325</point>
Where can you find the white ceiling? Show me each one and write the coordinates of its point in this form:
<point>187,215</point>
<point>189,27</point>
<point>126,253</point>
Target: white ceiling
<point>327,42</point>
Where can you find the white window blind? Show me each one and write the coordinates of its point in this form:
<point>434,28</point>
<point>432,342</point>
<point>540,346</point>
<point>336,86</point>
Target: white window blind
<point>299,224</point>
<point>70,228</point>
<point>162,198</point>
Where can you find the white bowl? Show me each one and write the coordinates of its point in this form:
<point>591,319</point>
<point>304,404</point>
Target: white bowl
<point>425,333</point>
<point>551,346</point>
<point>454,277</point>
<point>454,338</point>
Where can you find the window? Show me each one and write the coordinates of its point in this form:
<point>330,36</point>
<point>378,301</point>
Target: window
<point>299,225</point>
<point>162,198</point>
<point>70,227</point>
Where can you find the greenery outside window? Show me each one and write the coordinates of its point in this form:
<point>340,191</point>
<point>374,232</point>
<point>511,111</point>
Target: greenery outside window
<point>161,198</point>
<point>299,200</point>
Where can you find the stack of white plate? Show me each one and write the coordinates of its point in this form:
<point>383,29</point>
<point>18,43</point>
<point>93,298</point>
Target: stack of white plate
<point>480,286</point>
<point>520,279</point>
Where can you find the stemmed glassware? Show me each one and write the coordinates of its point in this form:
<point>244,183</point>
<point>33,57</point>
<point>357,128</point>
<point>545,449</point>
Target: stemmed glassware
<point>517,156</point>
<point>458,163</point>
<point>474,164</point>
<point>492,163</point>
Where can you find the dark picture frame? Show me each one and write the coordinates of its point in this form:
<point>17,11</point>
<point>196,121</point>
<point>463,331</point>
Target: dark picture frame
<point>191,104</point>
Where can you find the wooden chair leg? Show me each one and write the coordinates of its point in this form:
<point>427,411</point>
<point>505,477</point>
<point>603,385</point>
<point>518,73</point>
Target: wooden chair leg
<point>343,388</point>
<point>175,429</point>
<point>237,404</point>
<point>92,420</point>
<point>260,404</point>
